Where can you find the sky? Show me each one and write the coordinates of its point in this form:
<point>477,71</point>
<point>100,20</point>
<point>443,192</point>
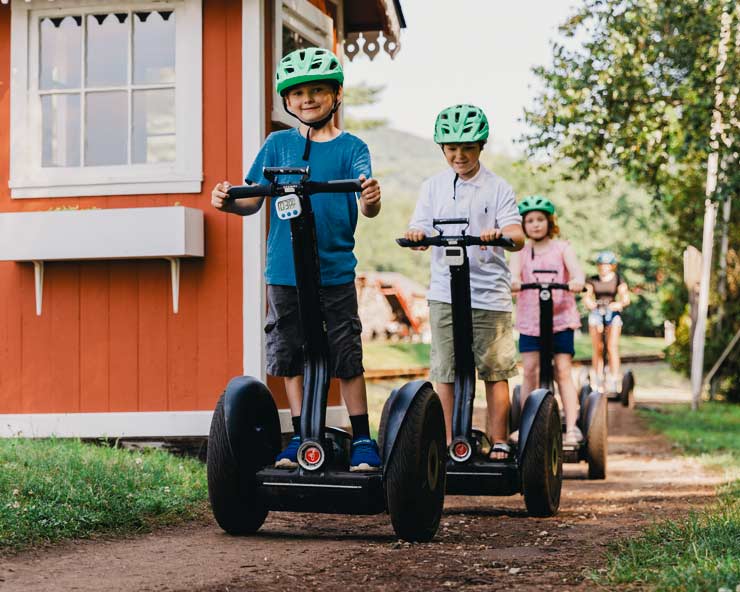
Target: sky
<point>463,51</point>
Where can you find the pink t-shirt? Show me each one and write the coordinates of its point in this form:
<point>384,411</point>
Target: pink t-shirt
<point>565,313</point>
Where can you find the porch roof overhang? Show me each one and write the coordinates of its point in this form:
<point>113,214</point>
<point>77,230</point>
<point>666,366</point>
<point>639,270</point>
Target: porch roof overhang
<point>375,23</point>
<point>369,20</point>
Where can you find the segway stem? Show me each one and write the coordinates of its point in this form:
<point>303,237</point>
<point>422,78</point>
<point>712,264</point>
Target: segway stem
<point>316,343</point>
<point>462,330</point>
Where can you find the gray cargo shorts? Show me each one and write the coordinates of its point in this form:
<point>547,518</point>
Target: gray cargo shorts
<point>284,336</point>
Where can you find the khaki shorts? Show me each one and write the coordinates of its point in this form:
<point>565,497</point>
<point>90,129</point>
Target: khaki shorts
<point>493,344</point>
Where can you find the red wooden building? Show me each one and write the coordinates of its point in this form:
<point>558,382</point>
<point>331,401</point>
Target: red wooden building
<point>126,301</point>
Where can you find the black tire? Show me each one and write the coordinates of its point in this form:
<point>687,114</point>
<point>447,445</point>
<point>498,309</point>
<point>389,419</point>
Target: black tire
<point>415,475</point>
<point>596,442</point>
<point>515,413</point>
<point>231,483</point>
<point>542,465</point>
<point>626,396</point>
<point>582,400</point>
<point>383,423</point>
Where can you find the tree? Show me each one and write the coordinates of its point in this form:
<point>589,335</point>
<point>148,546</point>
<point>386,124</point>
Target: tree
<point>360,96</point>
<point>632,88</point>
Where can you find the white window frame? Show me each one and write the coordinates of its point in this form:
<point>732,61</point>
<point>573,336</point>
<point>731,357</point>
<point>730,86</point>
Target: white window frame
<point>28,179</point>
<point>310,23</point>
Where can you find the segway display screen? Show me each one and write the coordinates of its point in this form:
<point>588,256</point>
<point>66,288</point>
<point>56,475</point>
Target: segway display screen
<point>453,256</point>
<point>288,206</point>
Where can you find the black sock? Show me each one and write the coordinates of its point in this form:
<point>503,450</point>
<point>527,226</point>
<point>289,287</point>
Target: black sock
<point>296,419</point>
<point>360,426</point>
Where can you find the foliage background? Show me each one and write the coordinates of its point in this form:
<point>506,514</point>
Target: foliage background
<point>631,93</point>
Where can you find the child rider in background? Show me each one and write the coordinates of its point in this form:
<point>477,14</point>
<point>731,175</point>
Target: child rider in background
<point>545,252</point>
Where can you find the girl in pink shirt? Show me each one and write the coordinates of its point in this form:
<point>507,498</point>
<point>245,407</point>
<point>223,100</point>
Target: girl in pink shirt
<point>544,252</point>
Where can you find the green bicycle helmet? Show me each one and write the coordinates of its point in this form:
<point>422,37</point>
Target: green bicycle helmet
<point>307,65</point>
<point>536,203</point>
<point>461,123</point>
<point>607,257</point>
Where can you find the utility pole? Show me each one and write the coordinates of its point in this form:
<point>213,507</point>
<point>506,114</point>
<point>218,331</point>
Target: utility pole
<point>710,214</point>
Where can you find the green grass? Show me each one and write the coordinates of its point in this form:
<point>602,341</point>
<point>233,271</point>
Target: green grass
<point>713,429</point>
<point>377,355</point>
<point>381,355</point>
<point>702,551</point>
<point>64,489</point>
<point>630,345</point>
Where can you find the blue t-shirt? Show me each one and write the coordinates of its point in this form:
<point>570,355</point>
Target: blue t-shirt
<point>344,157</point>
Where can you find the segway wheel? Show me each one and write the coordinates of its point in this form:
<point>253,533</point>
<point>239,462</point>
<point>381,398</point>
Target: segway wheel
<point>596,444</point>
<point>415,474</point>
<point>515,413</point>
<point>231,483</point>
<point>542,465</point>
<point>582,400</point>
<point>627,395</point>
<point>383,423</point>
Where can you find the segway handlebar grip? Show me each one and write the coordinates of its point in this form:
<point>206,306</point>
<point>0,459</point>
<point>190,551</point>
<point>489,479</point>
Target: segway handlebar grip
<point>537,286</point>
<point>503,241</point>
<point>339,186</point>
<point>427,241</point>
<point>240,191</point>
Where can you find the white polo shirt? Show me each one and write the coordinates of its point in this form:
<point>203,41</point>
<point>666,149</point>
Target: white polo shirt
<point>487,201</point>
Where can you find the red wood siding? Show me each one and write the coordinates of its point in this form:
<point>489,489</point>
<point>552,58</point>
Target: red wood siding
<point>107,339</point>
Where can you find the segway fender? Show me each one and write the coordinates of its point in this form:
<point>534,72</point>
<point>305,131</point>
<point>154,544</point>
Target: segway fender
<point>245,398</point>
<point>592,408</point>
<point>531,406</point>
<point>398,405</point>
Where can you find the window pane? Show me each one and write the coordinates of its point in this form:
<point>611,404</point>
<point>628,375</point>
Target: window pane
<point>61,52</point>
<point>107,49</point>
<point>154,126</point>
<point>106,128</point>
<point>154,47</point>
<point>293,41</point>
<point>61,130</point>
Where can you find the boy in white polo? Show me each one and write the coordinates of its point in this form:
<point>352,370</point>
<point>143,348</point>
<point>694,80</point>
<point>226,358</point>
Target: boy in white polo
<point>468,190</point>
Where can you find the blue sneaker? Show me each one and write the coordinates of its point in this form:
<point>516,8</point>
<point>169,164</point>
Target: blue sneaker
<point>288,458</point>
<point>365,455</point>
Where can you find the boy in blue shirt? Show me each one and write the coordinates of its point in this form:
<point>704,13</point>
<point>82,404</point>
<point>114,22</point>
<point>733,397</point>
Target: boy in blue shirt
<point>310,83</point>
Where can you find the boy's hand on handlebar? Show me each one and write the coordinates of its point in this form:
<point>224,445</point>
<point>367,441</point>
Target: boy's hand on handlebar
<point>575,286</point>
<point>516,286</point>
<point>370,191</point>
<point>415,236</point>
<point>615,307</point>
<point>490,235</point>
<point>219,195</point>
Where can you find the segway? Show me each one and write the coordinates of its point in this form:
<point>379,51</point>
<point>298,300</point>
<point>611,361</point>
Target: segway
<point>243,485</point>
<point>535,467</point>
<point>626,394</point>
<point>592,419</point>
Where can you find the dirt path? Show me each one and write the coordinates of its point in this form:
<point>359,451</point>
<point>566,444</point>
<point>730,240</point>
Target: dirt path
<point>484,544</point>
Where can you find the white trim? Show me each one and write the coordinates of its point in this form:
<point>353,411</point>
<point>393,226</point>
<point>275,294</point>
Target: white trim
<point>28,179</point>
<point>253,227</point>
<point>310,23</point>
<point>115,233</point>
<point>151,424</point>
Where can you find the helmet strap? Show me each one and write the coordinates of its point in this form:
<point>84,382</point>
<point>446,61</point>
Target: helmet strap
<point>312,124</point>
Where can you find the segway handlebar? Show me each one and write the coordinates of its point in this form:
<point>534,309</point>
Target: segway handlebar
<point>240,191</point>
<point>446,241</point>
<point>340,186</point>
<point>545,285</point>
<point>301,187</point>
